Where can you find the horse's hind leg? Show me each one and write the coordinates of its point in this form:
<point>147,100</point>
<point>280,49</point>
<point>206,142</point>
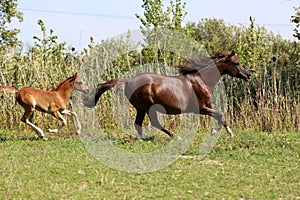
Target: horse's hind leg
<point>140,115</point>
<point>154,122</point>
<point>228,129</point>
<point>31,118</point>
<point>27,119</point>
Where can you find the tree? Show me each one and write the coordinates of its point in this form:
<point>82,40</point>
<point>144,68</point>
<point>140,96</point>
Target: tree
<point>296,19</point>
<point>8,12</point>
<point>157,21</point>
<point>156,17</point>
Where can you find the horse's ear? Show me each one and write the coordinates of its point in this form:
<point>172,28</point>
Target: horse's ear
<point>232,53</point>
<point>221,55</point>
<point>75,74</point>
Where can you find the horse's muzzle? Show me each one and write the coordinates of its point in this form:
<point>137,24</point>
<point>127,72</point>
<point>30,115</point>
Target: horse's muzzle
<point>86,91</point>
<point>244,75</point>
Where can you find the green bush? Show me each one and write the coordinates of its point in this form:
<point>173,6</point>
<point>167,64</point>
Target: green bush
<point>269,101</point>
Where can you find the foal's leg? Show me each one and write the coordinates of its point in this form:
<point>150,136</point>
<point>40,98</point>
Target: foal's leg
<point>219,117</point>
<point>59,116</point>
<point>31,118</point>
<point>154,122</point>
<point>77,123</point>
<point>140,115</point>
<point>27,119</point>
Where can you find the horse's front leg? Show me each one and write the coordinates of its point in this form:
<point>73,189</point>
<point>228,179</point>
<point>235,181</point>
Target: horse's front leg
<point>228,129</point>
<point>59,116</point>
<point>219,117</point>
<point>77,123</point>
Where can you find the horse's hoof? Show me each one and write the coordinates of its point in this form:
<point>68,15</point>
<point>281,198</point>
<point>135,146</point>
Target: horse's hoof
<point>171,134</point>
<point>44,138</point>
<point>213,132</point>
<point>78,131</point>
<point>142,137</point>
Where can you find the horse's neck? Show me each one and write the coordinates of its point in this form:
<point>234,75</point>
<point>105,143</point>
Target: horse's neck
<point>65,90</point>
<point>211,76</point>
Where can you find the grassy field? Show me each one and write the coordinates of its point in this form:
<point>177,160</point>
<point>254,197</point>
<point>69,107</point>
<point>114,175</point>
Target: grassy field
<point>254,165</point>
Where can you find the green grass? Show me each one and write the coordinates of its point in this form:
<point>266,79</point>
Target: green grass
<point>254,165</point>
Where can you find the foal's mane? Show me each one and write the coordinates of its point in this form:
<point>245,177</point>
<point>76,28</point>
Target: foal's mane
<point>198,63</point>
<point>69,79</point>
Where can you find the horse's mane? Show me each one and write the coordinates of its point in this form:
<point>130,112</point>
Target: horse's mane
<point>186,69</point>
<point>197,63</point>
<point>69,79</point>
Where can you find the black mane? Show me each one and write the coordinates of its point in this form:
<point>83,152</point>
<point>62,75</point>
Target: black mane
<point>197,63</point>
<point>186,69</point>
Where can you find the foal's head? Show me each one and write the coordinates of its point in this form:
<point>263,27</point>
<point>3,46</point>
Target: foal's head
<point>79,85</point>
<point>73,82</point>
<point>228,64</point>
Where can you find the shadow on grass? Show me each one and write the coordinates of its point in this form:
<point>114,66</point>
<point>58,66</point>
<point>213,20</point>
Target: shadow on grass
<point>13,135</point>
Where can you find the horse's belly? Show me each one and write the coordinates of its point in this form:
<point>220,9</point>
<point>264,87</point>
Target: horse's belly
<point>176,107</point>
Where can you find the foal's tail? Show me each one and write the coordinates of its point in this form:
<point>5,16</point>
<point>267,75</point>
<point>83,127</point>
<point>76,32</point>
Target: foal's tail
<point>8,89</point>
<point>90,100</point>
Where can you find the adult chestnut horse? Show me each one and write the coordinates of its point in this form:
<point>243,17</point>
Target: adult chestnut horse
<point>190,92</point>
<point>53,102</point>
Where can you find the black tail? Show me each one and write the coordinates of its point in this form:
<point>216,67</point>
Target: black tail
<point>90,100</point>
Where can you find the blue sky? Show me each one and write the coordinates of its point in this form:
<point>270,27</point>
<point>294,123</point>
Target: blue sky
<point>75,21</point>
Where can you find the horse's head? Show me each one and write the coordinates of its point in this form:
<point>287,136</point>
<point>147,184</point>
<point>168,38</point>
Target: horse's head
<point>79,85</point>
<point>231,66</point>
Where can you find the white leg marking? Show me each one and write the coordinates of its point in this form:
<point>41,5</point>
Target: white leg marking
<point>229,131</point>
<point>36,129</point>
<point>77,123</point>
<point>213,131</point>
<point>61,125</point>
<point>53,130</point>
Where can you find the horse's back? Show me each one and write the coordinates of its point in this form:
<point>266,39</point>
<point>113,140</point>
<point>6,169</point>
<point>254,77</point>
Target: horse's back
<point>172,93</point>
<point>146,83</point>
<point>35,98</point>
<point>32,92</point>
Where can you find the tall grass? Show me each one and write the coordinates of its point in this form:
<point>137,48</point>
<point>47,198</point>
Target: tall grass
<point>268,102</point>
<point>43,66</point>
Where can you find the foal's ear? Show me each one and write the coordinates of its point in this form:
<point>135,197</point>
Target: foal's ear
<point>75,74</point>
<point>231,54</point>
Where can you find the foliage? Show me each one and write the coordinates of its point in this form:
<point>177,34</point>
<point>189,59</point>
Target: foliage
<point>45,64</point>
<point>268,102</point>
<point>265,162</point>
<point>296,20</point>
<point>156,17</point>
<point>156,21</point>
<point>272,95</point>
<point>8,12</point>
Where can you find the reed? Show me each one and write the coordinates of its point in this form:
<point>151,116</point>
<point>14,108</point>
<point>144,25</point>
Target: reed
<point>268,102</point>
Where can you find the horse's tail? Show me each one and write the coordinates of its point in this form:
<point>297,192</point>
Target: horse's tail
<point>8,89</point>
<point>91,99</point>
